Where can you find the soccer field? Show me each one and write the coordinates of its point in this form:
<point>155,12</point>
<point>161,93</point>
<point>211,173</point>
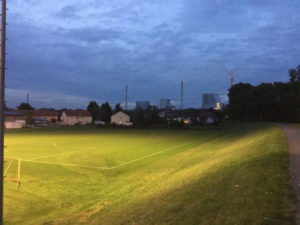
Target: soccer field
<point>233,174</point>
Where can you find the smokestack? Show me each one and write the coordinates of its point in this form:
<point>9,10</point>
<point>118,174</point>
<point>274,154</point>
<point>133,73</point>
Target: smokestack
<point>231,80</point>
<point>126,97</point>
<point>181,95</point>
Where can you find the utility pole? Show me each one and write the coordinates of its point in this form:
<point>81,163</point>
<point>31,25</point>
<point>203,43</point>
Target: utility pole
<point>126,97</point>
<point>2,101</point>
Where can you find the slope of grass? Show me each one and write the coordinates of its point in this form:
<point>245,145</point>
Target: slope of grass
<point>236,174</point>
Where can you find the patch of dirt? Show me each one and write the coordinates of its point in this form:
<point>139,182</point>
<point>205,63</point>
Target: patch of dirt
<point>293,137</point>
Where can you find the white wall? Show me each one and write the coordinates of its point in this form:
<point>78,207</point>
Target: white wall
<point>73,120</point>
<point>120,118</point>
<point>15,124</point>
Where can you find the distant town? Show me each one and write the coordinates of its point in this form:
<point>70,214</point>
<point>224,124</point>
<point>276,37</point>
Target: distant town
<point>144,114</point>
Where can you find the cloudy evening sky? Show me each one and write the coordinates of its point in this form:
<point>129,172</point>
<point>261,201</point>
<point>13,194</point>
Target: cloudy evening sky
<point>68,52</point>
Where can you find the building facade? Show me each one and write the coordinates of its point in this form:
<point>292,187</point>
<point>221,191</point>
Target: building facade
<point>165,103</point>
<point>49,116</point>
<point>121,119</point>
<point>14,120</point>
<point>76,117</point>
<point>210,100</point>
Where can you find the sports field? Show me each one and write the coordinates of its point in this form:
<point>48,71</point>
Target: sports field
<point>232,174</point>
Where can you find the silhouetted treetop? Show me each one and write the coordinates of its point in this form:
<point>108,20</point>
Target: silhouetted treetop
<point>25,106</point>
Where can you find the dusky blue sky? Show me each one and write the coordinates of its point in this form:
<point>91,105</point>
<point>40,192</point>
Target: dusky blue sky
<point>68,52</point>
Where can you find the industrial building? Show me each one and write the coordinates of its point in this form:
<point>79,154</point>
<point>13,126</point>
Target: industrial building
<point>165,103</point>
<point>143,105</point>
<point>210,100</point>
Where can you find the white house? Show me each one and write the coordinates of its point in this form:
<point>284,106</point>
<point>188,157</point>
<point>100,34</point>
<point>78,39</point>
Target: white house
<point>14,119</point>
<point>76,117</point>
<point>120,118</point>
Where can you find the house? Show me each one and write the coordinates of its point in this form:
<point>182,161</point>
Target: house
<point>207,118</point>
<point>48,116</point>
<point>14,119</point>
<point>39,122</point>
<point>179,116</point>
<point>120,118</point>
<point>76,117</point>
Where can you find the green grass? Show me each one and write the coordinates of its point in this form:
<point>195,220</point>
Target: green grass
<point>234,174</point>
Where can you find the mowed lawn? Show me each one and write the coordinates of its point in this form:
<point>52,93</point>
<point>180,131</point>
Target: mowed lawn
<point>232,174</point>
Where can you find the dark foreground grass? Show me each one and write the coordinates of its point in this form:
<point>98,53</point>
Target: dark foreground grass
<point>235,174</point>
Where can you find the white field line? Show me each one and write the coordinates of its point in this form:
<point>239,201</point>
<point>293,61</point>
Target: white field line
<point>113,167</point>
<point>148,156</point>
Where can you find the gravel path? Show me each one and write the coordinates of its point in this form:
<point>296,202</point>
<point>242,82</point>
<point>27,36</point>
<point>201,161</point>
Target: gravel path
<point>293,137</point>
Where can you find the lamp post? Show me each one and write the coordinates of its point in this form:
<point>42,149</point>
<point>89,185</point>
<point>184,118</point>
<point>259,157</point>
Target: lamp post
<point>2,100</point>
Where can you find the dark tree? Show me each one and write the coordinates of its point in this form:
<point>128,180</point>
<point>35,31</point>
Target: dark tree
<point>138,117</point>
<point>105,112</point>
<point>118,107</point>
<point>267,102</point>
<point>25,106</point>
<point>295,74</point>
<point>242,101</point>
<point>94,109</point>
<point>151,117</point>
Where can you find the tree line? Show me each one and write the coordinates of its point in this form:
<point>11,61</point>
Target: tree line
<point>277,101</point>
<point>102,112</point>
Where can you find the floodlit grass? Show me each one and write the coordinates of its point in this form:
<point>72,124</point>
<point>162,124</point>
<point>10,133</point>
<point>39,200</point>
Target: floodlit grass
<point>234,174</point>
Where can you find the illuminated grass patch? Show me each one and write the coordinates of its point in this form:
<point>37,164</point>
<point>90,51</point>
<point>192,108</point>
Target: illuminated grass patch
<point>234,174</point>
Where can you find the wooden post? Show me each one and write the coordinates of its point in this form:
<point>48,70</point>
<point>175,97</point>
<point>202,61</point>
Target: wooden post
<point>19,173</point>
<point>5,172</point>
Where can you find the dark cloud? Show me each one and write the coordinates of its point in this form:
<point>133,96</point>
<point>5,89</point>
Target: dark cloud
<point>68,11</point>
<point>92,49</point>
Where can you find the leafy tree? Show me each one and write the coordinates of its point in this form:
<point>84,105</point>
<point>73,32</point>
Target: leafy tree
<point>105,112</point>
<point>295,74</point>
<point>242,101</point>
<point>94,109</point>
<point>29,120</point>
<point>138,117</point>
<point>271,102</point>
<point>25,106</point>
<point>266,101</point>
<point>118,107</point>
<point>151,117</point>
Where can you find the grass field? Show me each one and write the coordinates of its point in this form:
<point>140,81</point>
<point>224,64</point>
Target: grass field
<point>233,174</point>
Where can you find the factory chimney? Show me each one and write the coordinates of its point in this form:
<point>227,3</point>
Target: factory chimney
<point>231,80</point>
<point>126,97</point>
<point>181,95</point>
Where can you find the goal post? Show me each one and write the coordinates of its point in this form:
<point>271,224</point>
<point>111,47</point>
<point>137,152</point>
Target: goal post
<point>12,170</point>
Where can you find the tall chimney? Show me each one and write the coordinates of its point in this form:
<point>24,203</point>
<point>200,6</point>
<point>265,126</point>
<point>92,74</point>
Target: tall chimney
<point>231,80</point>
<point>181,95</point>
